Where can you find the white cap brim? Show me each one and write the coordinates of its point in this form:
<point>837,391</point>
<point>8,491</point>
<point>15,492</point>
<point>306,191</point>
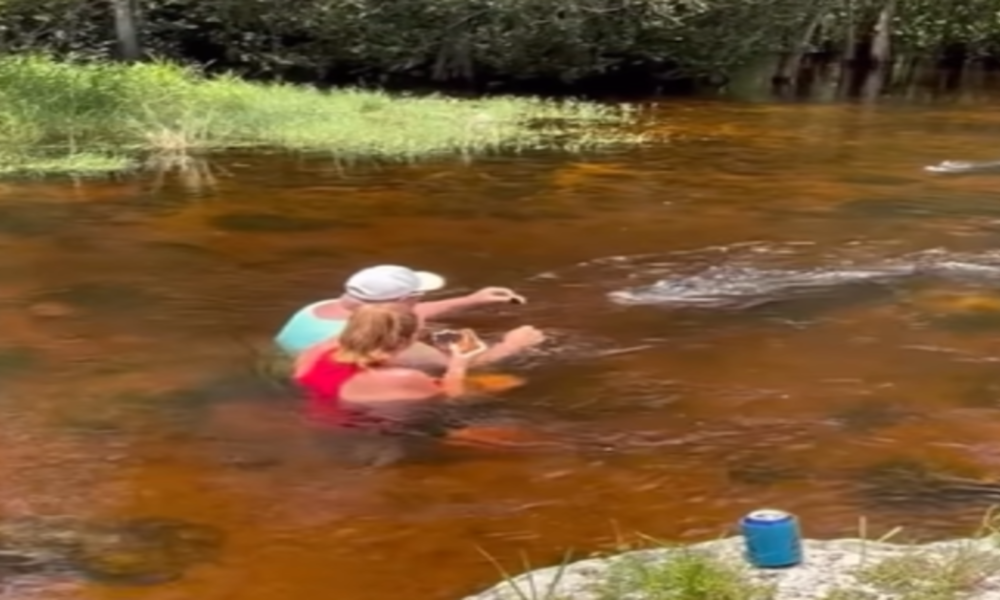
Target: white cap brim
<point>430,282</point>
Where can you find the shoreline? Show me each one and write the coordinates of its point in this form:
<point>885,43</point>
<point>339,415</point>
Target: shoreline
<point>96,118</point>
<point>839,569</point>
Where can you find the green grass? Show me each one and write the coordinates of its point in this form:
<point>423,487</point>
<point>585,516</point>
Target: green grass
<point>917,575</point>
<point>57,116</point>
<point>689,575</point>
<point>954,572</point>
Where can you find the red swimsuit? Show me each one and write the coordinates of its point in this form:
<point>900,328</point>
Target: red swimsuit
<point>322,383</point>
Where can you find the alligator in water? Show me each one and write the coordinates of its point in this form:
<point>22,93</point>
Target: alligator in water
<point>737,284</point>
<point>964,166</point>
<point>129,552</point>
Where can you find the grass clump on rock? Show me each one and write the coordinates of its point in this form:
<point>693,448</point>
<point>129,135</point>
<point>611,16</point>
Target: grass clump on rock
<point>958,571</point>
<point>86,117</point>
<point>850,569</point>
<point>688,575</point>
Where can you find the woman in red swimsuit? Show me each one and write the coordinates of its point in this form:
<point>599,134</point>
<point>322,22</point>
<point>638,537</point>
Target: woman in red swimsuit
<point>350,386</point>
<point>353,373</point>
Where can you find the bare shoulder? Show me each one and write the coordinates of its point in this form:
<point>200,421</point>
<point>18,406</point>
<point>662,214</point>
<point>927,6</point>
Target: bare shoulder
<point>328,309</point>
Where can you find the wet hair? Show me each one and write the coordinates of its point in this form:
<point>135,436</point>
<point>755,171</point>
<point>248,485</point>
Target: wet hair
<point>375,332</point>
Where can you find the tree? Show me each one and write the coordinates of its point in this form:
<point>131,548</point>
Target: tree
<point>127,29</point>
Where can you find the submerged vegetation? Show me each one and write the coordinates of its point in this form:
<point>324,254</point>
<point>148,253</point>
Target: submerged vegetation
<point>100,116</point>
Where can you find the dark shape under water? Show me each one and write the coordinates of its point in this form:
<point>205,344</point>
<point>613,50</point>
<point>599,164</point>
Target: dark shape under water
<point>17,360</point>
<point>131,552</point>
<point>818,302</point>
<point>236,385</point>
<point>245,456</point>
<point>969,322</point>
<point>763,472</point>
<point>868,415</point>
<point>980,394</point>
<point>182,249</point>
<point>273,223</point>
<point>97,295</point>
<point>33,220</point>
<point>877,179</point>
<point>912,485</point>
<point>921,207</point>
<point>185,408</point>
<point>143,551</point>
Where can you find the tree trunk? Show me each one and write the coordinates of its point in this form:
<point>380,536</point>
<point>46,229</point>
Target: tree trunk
<point>881,41</point>
<point>127,29</point>
<point>790,66</point>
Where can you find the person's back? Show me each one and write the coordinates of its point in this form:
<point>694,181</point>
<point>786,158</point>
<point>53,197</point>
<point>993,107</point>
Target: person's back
<point>323,381</point>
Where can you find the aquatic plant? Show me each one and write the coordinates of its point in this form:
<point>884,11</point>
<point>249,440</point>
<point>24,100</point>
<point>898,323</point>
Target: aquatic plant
<point>86,117</point>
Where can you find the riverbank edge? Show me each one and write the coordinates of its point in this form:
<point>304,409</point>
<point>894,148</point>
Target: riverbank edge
<point>95,118</point>
<point>839,569</point>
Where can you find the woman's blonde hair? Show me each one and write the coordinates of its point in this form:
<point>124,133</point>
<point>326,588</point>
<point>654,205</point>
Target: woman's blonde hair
<point>375,332</point>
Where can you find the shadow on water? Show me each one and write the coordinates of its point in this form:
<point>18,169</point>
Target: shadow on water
<point>870,415</point>
<point>276,223</point>
<point>97,297</point>
<point>908,486</point>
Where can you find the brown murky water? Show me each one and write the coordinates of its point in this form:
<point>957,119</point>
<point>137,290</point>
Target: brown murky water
<point>127,314</point>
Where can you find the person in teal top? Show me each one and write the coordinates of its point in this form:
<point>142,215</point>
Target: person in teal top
<point>320,321</point>
<point>306,329</point>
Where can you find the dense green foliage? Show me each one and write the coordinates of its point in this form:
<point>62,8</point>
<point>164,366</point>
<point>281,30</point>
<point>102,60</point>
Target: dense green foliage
<point>102,115</point>
<point>486,40</point>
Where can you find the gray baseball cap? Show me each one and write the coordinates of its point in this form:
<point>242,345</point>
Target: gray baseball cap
<point>386,283</point>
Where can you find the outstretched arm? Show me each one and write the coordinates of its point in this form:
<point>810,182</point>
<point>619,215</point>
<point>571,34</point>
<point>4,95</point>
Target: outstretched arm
<point>485,296</point>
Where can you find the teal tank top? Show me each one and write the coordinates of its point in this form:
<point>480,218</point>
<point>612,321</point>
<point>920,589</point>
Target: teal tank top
<point>305,329</point>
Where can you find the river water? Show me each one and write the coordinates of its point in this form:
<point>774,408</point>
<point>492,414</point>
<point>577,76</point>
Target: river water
<point>824,337</point>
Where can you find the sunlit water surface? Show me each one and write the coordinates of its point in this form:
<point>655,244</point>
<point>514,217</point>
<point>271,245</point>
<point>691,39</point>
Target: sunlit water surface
<point>779,307</point>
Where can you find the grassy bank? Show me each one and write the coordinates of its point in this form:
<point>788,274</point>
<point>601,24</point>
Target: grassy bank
<point>857,569</point>
<point>85,118</point>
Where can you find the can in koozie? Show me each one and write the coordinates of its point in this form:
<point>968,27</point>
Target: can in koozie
<point>772,539</point>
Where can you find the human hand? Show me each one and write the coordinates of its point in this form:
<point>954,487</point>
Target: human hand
<point>498,295</point>
<point>467,347</point>
<point>525,336</point>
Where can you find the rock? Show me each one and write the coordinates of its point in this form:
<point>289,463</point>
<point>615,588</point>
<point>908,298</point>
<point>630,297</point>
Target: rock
<point>129,552</point>
<point>849,569</point>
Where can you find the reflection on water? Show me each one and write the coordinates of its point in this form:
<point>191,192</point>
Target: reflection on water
<point>781,308</point>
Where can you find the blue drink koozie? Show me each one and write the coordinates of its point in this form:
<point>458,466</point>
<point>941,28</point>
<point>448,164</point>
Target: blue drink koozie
<point>772,539</point>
